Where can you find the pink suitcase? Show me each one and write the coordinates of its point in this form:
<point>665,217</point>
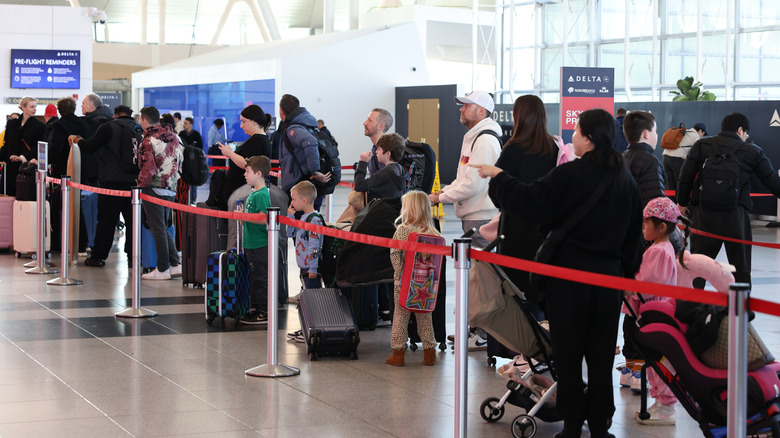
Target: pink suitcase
<point>6,221</point>
<point>25,224</point>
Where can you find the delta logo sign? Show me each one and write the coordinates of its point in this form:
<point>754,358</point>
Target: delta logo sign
<point>584,88</point>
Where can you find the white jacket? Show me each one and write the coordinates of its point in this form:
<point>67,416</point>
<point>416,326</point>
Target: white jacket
<point>691,137</point>
<point>469,192</point>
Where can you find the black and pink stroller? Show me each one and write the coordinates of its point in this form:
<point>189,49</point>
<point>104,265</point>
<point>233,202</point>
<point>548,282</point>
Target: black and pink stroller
<point>700,389</point>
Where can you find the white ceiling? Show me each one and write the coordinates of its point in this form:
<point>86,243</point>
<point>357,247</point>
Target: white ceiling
<point>294,18</point>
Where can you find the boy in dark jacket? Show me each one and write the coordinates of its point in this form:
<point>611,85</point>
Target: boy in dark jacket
<point>648,171</point>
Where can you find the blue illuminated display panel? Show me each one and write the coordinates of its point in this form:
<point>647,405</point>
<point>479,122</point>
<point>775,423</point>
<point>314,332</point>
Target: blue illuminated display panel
<point>49,69</point>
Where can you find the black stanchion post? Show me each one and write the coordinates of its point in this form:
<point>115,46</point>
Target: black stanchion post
<point>461,248</point>
<point>272,368</point>
<point>64,279</point>
<point>739,296</point>
<point>136,311</point>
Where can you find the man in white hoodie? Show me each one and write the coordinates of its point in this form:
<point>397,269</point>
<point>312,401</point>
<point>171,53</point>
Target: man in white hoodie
<point>481,145</point>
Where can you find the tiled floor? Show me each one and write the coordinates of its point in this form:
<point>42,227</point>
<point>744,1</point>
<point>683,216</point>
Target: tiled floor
<point>69,368</point>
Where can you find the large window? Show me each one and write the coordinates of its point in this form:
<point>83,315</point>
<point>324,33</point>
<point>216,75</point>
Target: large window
<point>731,46</point>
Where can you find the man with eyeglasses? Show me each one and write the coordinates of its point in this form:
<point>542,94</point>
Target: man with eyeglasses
<point>723,165</point>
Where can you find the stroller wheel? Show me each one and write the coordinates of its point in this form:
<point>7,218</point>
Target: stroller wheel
<point>524,426</point>
<point>489,411</point>
<point>413,346</point>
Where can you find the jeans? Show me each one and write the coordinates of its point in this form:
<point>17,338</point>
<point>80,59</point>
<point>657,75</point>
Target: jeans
<point>157,218</point>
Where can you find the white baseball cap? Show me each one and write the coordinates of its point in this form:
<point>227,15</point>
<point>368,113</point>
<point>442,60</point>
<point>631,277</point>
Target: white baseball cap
<point>480,98</point>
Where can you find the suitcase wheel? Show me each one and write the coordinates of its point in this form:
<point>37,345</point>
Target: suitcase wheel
<point>313,356</point>
<point>413,346</point>
<point>18,254</point>
<point>210,319</point>
<point>34,256</point>
<point>222,322</point>
<point>354,355</point>
<point>491,361</point>
<point>442,346</point>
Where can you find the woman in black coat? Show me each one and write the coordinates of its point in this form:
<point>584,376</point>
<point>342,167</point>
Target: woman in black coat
<point>21,141</point>
<point>606,240</point>
<point>528,155</point>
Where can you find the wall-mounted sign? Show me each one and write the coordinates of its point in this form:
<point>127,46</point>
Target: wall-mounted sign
<point>584,88</point>
<point>48,69</point>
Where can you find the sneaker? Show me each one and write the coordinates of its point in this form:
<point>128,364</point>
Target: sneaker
<point>94,262</point>
<point>255,318</point>
<point>297,336</point>
<point>660,415</point>
<point>294,299</point>
<point>516,369</point>
<point>620,366</point>
<point>176,271</point>
<point>83,254</point>
<point>625,377</point>
<point>475,343</point>
<point>154,274</point>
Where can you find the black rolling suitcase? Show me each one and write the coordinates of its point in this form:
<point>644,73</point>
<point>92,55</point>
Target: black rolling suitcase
<point>327,323</point>
<point>438,315</point>
<point>365,304</point>
<point>201,236</point>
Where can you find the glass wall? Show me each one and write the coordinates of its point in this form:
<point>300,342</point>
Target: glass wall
<point>731,46</point>
<point>212,101</point>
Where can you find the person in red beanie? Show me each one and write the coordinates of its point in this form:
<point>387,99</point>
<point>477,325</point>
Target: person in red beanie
<point>50,116</point>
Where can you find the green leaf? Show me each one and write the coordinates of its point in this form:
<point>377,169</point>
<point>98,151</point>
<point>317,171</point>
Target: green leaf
<point>680,98</point>
<point>692,94</point>
<point>683,85</point>
<point>689,80</point>
<point>706,95</point>
<point>676,93</point>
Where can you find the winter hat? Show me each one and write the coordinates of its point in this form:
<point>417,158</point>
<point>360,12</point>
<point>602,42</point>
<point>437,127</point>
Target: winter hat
<point>700,127</point>
<point>256,114</point>
<point>662,208</point>
<point>51,111</point>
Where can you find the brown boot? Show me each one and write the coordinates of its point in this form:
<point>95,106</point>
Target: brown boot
<point>429,356</point>
<point>397,358</point>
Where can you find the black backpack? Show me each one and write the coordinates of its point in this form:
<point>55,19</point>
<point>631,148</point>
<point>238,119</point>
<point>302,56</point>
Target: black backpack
<point>195,168</point>
<point>216,190</point>
<point>328,149</point>
<point>130,136</point>
<point>419,162</point>
<point>720,179</point>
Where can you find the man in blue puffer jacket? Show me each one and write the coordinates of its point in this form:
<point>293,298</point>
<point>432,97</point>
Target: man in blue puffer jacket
<point>303,161</point>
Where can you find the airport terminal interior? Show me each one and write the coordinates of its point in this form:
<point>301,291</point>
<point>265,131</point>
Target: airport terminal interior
<point>70,368</point>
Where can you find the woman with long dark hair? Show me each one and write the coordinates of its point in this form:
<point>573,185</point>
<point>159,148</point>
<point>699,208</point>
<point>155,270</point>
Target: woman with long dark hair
<point>528,155</point>
<point>254,122</point>
<point>583,318</point>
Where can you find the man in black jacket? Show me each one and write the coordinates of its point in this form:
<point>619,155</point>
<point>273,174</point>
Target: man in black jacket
<point>110,137</point>
<point>733,222</point>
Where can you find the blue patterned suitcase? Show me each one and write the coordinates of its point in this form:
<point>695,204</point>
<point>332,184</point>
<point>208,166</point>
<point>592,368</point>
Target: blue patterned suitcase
<point>227,286</point>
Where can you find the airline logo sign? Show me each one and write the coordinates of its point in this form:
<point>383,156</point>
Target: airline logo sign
<point>775,122</point>
<point>584,88</point>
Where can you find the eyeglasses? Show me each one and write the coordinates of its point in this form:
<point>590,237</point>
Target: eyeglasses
<point>747,134</point>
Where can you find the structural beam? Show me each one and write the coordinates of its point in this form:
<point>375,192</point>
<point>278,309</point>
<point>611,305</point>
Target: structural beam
<point>270,19</point>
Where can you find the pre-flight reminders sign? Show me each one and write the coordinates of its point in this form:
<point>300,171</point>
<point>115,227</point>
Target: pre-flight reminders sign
<point>584,88</point>
<point>45,69</point>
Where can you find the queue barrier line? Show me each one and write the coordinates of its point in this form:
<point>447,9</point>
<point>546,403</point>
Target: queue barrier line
<point>601,280</point>
<point>752,195</point>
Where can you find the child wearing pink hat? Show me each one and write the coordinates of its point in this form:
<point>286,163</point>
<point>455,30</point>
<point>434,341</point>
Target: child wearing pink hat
<point>661,217</point>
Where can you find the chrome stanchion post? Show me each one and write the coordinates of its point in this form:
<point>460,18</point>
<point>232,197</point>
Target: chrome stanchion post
<point>739,294</point>
<point>272,368</point>
<point>461,248</point>
<point>64,279</point>
<point>42,267</point>
<point>136,311</point>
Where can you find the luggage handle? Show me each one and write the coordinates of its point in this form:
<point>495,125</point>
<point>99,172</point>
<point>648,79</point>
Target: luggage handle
<point>239,226</point>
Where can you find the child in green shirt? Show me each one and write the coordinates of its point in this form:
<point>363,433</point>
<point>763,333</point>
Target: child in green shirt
<point>256,238</point>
